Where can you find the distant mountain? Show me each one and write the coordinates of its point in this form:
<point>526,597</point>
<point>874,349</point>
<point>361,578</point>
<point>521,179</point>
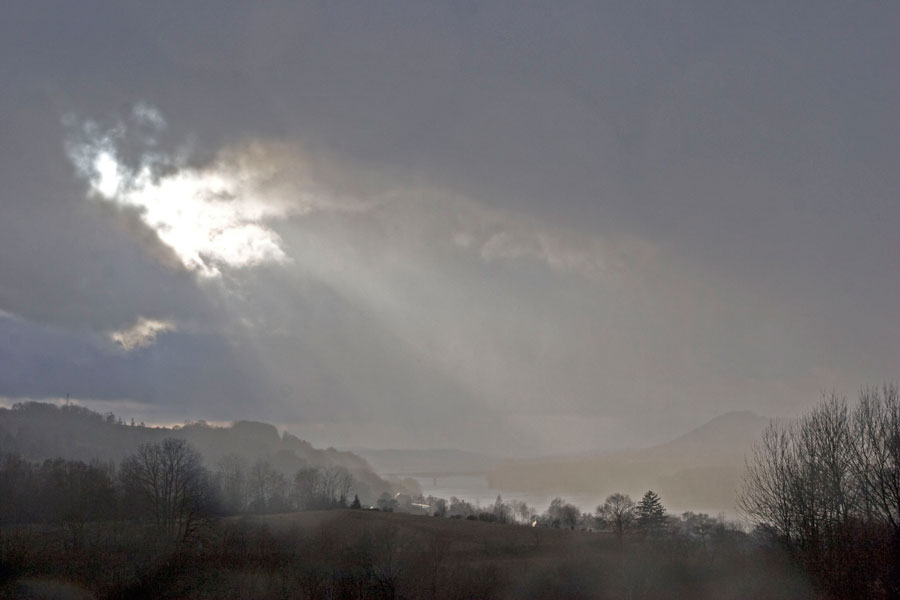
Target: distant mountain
<point>723,439</point>
<point>432,460</point>
<point>38,431</point>
<point>700,470</point>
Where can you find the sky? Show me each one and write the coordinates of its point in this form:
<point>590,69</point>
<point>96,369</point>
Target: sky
<point>514,227</point>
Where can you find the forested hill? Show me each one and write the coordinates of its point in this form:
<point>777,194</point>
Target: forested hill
<point>38,431</point>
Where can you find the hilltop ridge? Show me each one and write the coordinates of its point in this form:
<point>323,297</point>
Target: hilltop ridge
<point>39,430</point>
<point>701,468</point>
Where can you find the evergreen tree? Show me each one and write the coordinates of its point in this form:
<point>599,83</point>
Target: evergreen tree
<point>651,516</point>
<point>356,503</point>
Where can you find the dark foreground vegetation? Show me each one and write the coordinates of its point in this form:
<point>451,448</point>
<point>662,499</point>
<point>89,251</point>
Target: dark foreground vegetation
<point>824,492</point>
<point>163,524</point>
<point>371,554</point>
<point>827,487</point>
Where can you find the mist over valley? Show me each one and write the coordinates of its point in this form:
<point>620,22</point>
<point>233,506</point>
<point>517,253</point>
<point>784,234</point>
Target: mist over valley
<point>449,300</point>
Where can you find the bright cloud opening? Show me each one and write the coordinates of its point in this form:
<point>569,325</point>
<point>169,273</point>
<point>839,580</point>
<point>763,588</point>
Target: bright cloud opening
<point>141,334</point>
<point>211,216</point>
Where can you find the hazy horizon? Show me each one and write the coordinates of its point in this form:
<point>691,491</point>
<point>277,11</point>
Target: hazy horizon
<point>502,228</point>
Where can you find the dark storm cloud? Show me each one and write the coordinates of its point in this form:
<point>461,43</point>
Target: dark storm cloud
<point>625,218</point>
<point>177,377</point>
<point>70,262</point>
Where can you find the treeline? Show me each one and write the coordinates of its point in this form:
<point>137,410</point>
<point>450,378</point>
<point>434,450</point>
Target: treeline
<point>365,554</point>
<point>618,515</point>
<point>147,528</point>
<point>165,485</point>
<point>37,431</point>
<point>827,487</point>
<point>56,491</point>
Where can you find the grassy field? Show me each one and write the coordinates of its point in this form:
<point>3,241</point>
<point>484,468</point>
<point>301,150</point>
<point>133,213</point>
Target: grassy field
<point>367,554</point>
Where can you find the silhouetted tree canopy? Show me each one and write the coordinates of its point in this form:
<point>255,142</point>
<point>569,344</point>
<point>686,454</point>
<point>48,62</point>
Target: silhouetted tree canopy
<point>617,513</point>
<point>828,488</point>
<point>651,516</point>
<point>168,482</point>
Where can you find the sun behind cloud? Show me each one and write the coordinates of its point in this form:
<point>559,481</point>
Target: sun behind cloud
<point>212,216</point>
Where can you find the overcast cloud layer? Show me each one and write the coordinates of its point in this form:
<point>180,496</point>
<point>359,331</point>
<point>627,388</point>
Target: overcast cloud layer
<point>514,228</point>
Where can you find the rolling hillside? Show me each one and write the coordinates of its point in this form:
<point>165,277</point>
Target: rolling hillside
<point>700,470</point>
<point>39,431</point>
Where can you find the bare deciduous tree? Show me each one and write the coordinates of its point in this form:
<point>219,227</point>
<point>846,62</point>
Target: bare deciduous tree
<point>563,514</point>
<point>828,486</point>
<point>268,488</point>
<point>876,456</point>
<point>168,482</point>
<point>231,474</point>
<point>319,488</point>
<point>617,513</point>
